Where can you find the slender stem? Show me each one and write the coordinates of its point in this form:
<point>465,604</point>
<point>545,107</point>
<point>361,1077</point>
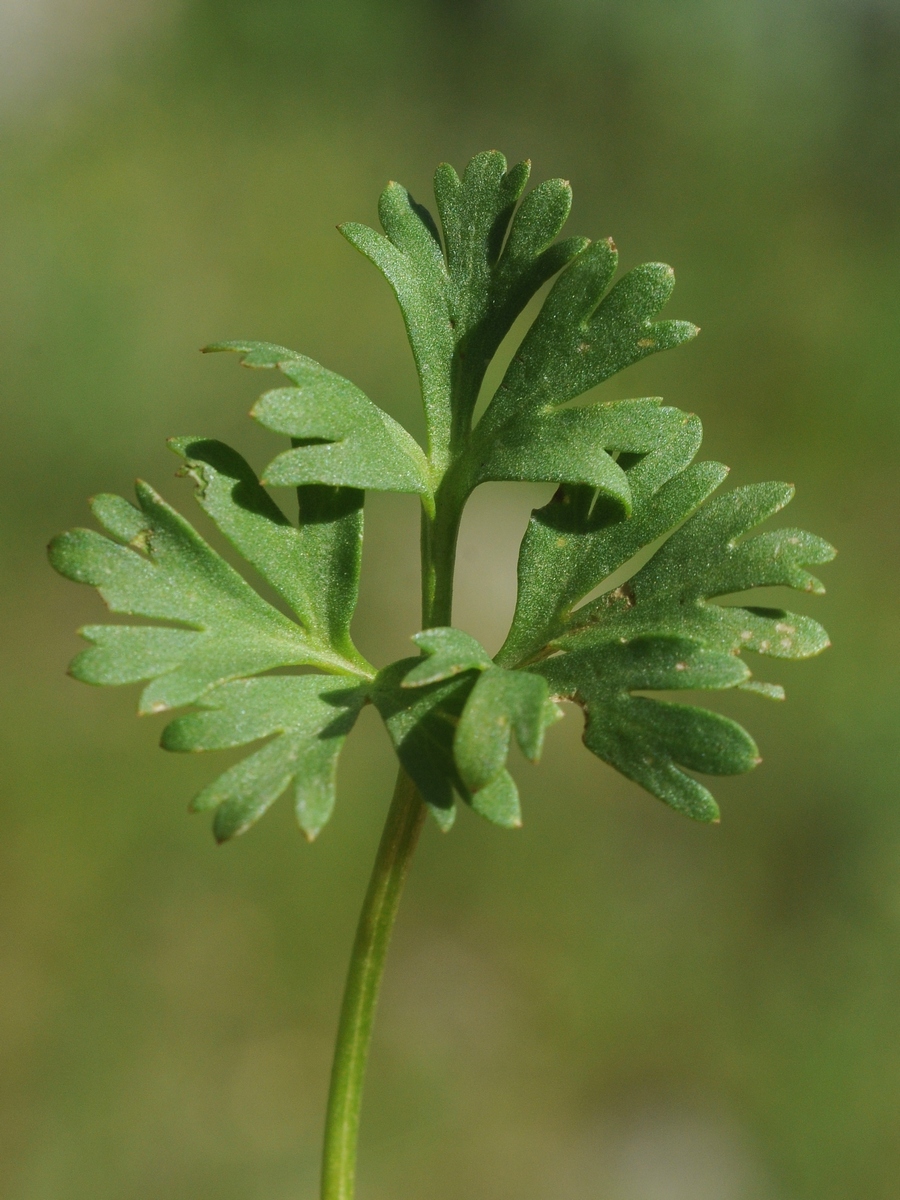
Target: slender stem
<point>440,530</point>
<point>398,841</point>
<point>438,540</point>
<point>440,526</point>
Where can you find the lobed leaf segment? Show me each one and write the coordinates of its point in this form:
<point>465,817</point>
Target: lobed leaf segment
<point>626,480</point>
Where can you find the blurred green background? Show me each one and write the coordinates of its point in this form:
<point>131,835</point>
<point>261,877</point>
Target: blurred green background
<point>612,1004</point>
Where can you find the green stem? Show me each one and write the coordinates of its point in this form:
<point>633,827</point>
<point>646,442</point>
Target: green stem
<point>440,531</point>
<point>373,933</point>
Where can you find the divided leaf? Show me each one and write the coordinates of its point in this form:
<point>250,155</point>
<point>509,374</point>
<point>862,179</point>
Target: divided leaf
<point>579,339</point>
<point>461,300</point>
<point>578,539</point>
<point>421,722</point>
<point>450,715</point>
<point>675,592</point>
<point>156,565</point>
<point>310,715</point>
<point>411,260</point>
<point>491,282</point>
<point>458,309</point>
<point>577,445</point>
<point>501,702</point>
<point>314,567</point>
<point>647,739</point>
<point>446,652</point>
<point>627,482</point>
<point>581,336</point>
<point>662,628</point>
<point>341,438</point>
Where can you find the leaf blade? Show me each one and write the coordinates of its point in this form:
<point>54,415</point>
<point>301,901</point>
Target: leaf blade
<point>347,441</point>
<point>311,716</point>
<point>169,573</point>
<point>501,703</point>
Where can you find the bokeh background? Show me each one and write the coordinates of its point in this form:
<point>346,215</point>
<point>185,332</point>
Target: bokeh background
<point>612,1004</point>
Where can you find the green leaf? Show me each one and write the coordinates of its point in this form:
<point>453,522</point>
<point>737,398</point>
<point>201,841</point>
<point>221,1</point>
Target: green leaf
<point>578,445</point>
<point>410,259</point>
<point>662,628</point>
<point>581,337</point>
<point>675,592</point>
<point>311,716</point>
<point>156,565</point>
<point>498,802</point>
<point>483,711</point>
<point>721,563</point>
<point>578,539</point>
<point>347,441</point>
<point>459,305</point>
<point>458,310</point>
<point>497,256</point>
<point>167,572</point>
<point>647,739</point>
<point>421,722</point>
<point>257,355</point>
<point>630,578</point>
<point>313,567</point>
<point>447,652</point>
<point>578,340</point>
<point>501,702</point>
